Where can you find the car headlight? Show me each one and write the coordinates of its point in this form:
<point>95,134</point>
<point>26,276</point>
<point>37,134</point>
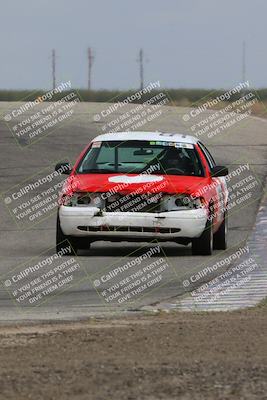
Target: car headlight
<point>82,199</point>
<point>198,202</point>
<point>182,202</point>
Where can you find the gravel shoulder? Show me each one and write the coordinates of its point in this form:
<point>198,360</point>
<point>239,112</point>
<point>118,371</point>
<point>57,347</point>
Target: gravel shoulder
<point>161,356</point>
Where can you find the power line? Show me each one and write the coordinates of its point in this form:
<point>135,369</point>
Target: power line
<point>54,68</point>
<point>244,49</point>
<point>140,60</point>
<point>90,65</point>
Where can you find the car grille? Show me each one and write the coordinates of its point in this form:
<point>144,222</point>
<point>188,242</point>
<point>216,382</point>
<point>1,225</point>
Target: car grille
<point>111,228</point>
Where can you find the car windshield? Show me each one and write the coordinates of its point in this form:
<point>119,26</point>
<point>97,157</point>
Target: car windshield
<point>135,156</point>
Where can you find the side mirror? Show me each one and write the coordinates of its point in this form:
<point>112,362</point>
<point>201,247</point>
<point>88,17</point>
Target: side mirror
<point>63,168</point>
<point>219,171</point>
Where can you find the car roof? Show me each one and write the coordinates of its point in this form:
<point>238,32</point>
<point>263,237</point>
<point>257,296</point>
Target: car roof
<point>155,136</point>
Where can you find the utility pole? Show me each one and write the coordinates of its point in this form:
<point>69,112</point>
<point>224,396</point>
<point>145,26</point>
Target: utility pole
<point>54,68</point>
<point>244,61</point>
<point>90,64</point>
<point>140,60</point>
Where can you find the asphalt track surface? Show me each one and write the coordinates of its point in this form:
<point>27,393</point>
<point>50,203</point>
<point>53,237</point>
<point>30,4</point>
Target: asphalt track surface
<point>244,142</point>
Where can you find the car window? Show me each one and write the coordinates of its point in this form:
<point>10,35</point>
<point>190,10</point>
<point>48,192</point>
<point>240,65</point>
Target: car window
<point>132,156</point>
<point>208,156</point>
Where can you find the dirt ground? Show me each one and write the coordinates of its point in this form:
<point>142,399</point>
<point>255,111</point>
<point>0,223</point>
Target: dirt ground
<point>165,356</point>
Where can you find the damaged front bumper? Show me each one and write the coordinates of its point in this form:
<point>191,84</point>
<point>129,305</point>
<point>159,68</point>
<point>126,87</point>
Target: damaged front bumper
<point>92,222</point>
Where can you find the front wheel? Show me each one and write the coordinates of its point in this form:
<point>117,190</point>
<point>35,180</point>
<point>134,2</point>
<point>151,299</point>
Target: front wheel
<point>220,237</point>
<point>204,244</point>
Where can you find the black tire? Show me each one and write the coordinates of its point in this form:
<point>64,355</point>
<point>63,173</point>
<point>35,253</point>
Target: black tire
<point>63,242</point>
<point>220,237</point>
<point>81,243</point>
<point>204,244</point>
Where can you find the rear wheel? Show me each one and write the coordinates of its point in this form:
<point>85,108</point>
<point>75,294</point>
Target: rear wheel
<point>204,244</point>
<point>220,237</point>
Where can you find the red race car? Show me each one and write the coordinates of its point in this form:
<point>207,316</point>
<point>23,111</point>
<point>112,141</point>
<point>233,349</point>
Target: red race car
<point>140,186</point>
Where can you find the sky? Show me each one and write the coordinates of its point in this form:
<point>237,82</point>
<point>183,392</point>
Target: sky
<point>186,43</point>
